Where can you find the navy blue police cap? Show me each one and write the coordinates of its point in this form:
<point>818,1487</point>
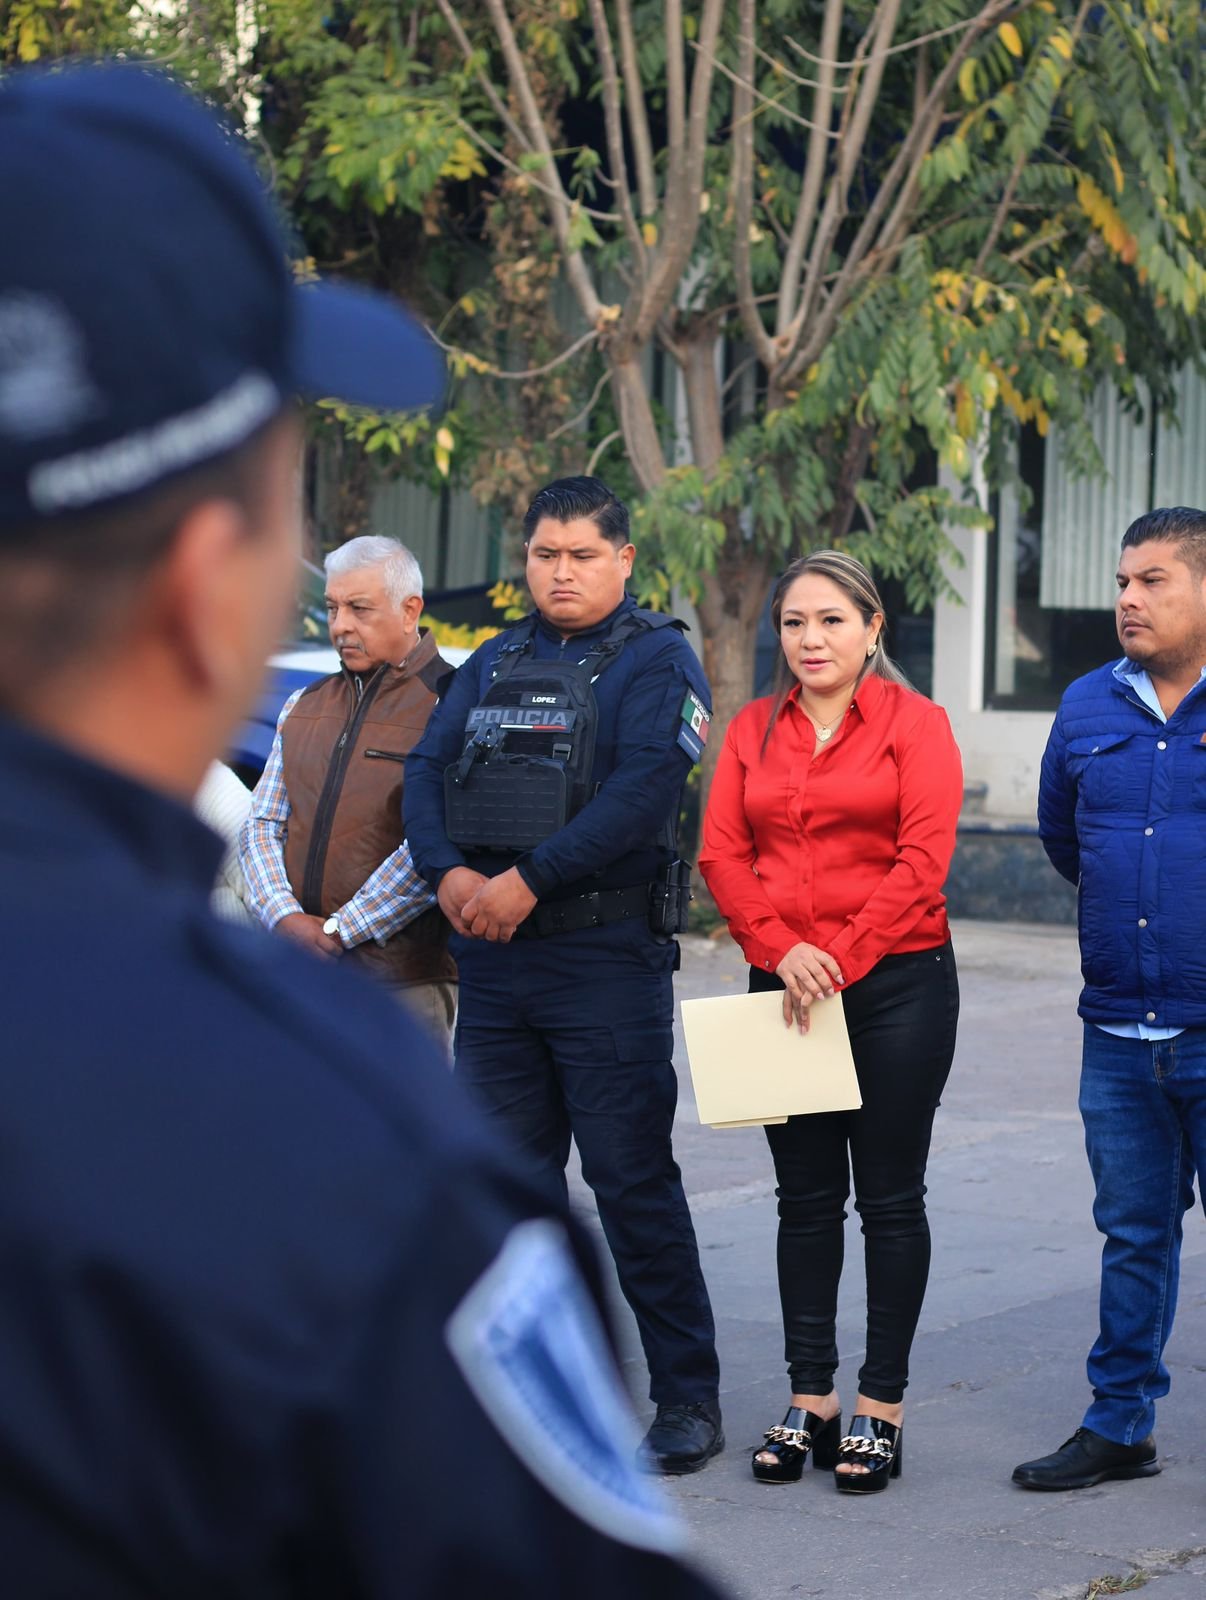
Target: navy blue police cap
<point>149,317</point>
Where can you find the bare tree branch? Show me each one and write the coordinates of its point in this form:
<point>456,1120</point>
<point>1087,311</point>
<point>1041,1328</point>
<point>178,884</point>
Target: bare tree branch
<point>683,197</point>
<point>529,372</point>
<point>676,98</point>
<point>599,449</point>
<point>609,84</point>
<point>585,412</point>
<point>488,89</point>
<point>814,173</point>
<point>763,99</point>
<point>560,205</point>
<point>994,231</point>
<point>893,50</point>
<point>743,185</point>
<point>928,122</point>
<point>856,117</point>
<point>904,169</point>
<point>634,103</point>
<point>782,67</point>
<point>504,160</point>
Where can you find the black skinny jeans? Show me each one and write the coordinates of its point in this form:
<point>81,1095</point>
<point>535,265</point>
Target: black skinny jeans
<point>901,1018</point>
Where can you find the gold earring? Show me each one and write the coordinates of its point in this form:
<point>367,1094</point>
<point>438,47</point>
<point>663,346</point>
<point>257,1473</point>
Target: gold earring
<point>871,648</point>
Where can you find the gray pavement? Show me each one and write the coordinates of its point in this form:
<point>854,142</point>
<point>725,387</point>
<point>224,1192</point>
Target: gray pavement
<point>998,1366</point>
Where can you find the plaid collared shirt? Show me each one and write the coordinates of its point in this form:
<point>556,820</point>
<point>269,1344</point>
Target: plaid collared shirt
<point>393,896</point>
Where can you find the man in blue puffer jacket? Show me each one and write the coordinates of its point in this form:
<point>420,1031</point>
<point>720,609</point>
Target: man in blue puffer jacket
<point>1122,813</point>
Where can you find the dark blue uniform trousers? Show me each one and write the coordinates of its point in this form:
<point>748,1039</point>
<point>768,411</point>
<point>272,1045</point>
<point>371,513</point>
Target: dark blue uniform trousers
<point>573,1035</point>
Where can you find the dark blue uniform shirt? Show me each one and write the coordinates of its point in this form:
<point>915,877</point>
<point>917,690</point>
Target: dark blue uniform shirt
<point>272,1298</point>
<point>639,765</point>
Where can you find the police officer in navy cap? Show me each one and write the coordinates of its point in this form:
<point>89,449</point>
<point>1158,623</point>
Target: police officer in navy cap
<point>541,804</point>
<point>278,1318</point>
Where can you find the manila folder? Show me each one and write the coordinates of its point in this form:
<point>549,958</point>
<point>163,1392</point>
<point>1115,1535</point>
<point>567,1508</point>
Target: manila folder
<point>748,1067</point>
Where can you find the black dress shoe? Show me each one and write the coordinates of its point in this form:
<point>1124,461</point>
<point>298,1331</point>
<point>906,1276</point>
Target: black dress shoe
<point>682,1438</point>
<point>1088,1458</point>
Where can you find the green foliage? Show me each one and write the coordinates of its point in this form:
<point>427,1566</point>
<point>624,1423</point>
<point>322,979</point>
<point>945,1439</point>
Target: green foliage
<point>1054,238</point>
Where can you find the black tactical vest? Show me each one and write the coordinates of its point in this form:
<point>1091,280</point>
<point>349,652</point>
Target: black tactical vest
<point>530,743</point>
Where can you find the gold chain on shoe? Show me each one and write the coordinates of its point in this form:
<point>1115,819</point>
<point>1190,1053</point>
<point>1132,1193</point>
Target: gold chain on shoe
<point>799,1437</point>
<point>862,1446</point>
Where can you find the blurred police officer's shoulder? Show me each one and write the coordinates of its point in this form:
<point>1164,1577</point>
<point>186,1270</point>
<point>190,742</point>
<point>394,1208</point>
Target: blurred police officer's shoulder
<point>269,1288</point>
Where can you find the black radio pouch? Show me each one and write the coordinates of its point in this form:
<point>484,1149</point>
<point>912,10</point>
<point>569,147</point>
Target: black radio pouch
<point>670,898</point>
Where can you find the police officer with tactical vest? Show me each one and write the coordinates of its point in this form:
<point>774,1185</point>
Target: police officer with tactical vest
<point>541,805</point>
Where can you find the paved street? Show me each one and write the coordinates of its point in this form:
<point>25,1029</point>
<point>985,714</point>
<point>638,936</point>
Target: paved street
<point>998,1365</point>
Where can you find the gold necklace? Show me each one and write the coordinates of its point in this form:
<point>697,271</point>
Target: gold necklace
<point>826,730</point>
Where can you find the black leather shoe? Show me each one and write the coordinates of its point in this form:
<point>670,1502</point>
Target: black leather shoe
<point>1087,1458</point>
<point>682,1438</point>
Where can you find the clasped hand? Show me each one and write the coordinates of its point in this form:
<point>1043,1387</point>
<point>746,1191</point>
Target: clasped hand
<point>809,974</point>
<point>484,908</point>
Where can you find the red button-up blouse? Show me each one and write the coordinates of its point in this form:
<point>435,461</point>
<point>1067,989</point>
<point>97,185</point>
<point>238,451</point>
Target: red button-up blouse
<point>849,851</point>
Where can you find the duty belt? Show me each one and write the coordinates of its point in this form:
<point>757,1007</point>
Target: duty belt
<point>585,911</point>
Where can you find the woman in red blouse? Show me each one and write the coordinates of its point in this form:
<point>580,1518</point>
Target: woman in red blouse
<point>828,836</point>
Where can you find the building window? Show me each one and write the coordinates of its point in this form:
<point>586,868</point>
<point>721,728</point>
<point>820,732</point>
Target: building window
<point>1051,584</point>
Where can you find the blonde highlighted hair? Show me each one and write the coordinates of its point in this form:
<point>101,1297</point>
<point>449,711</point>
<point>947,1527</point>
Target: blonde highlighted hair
<point>858,586</point>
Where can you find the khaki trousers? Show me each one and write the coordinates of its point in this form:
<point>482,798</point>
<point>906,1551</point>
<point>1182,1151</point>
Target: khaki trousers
<point>433,1005</point>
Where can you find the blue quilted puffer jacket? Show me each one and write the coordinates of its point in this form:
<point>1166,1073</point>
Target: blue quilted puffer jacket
<point>1122,814</point>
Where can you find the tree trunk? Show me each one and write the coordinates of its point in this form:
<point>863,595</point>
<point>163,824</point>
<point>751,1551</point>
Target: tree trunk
<point>353,499</point>
<point>729,605</point>
<point>637,422</point>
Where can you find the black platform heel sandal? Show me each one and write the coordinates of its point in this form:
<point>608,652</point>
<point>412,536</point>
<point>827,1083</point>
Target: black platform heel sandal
<point>790,1442</point>
<point>875,1445</point>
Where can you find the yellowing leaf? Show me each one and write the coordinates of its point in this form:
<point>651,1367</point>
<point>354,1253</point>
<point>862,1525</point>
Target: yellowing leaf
<point>980,293</point>
<point>468,304</point>
<point>1116,169</point>
<point>1093,316</point>
<point>443,462</point>
<point>609,313</point>
<point>965,411</point>
<point>649,233</point>
<point>333,150</point>
<point>1061,42</point>
<point>1010,38</point>
<point>967,80</point>
<point>445,440</point>
<point>705,203</point>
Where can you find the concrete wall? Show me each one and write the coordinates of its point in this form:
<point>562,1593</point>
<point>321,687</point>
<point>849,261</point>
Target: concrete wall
<point>1001,749</point>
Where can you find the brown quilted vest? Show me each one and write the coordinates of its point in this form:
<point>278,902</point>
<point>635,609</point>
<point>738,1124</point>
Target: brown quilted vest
<point>343,748</point>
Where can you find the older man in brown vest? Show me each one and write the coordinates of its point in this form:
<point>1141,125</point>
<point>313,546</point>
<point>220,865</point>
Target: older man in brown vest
<point>324,851</point>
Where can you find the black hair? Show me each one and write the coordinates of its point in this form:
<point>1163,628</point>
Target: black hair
<point>1183,526</point>
<point>568,499</point>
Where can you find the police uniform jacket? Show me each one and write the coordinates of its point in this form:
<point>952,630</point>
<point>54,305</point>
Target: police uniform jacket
<point>640,764</point>
<point>272,1297</point>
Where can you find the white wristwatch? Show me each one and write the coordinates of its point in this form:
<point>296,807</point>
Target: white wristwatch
<point>331,927</point>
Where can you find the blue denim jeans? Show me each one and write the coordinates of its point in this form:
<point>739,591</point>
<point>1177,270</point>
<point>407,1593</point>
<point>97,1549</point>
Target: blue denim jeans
<point>1144,1108</point>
